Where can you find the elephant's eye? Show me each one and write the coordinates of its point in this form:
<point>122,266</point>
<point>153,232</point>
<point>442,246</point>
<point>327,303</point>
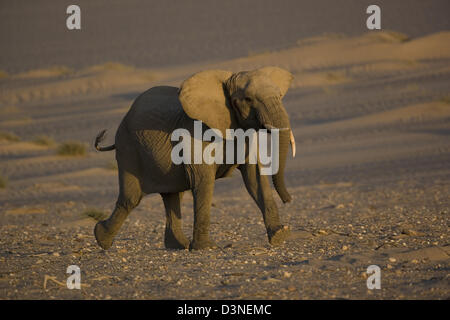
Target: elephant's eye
<point>248,99</point>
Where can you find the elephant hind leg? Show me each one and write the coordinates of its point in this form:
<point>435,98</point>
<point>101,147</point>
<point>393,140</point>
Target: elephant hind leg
<point>173,236</point>
<point>129,197</point>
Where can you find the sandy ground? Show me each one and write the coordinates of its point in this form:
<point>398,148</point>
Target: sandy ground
<point>370,183</point>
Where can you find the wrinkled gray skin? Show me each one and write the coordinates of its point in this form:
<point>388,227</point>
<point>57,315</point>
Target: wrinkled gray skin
<point>143,150</point>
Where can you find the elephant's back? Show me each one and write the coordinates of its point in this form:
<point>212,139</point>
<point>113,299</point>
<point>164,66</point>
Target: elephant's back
<point>156,111</point>
<point>158,103</point>
<point>153,117</point>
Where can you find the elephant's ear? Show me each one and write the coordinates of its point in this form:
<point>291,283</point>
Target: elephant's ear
<point>204,98</point>
<point>280,77</point>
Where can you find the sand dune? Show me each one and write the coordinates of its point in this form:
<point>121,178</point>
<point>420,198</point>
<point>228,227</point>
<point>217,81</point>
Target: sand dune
<point>327,60</point>
<point>383,51</point>
<point>408,115</point>
<point>94,79</point>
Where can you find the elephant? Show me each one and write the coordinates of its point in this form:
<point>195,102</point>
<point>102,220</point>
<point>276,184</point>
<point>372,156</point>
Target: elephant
<point>221,100</point>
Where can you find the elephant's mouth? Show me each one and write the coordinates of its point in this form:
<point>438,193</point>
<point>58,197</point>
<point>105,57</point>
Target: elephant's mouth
<point>271,127</point>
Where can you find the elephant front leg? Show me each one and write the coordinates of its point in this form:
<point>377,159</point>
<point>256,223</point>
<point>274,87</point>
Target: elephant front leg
<point>173,236</point>
<point>202,194</point>
<point>259,189</point>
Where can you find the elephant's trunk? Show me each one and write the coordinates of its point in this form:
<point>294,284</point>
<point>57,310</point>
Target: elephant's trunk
<point>278,178</point>
<point>277,118</point>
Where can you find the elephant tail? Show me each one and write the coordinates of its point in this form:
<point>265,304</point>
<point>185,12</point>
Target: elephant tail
<point>100,137</point>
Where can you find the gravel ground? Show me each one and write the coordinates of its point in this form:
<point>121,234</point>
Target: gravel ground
<point>338,230</point>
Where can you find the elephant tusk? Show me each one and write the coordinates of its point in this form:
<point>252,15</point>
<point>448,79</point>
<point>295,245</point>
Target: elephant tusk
<point>292,144</point>
<point>292,139</point>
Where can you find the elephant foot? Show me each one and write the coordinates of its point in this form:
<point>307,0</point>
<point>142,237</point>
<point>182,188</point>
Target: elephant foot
<point>175,240</point>
<point>103,237</point>
<point>202,245</point>
<point>279,235</point>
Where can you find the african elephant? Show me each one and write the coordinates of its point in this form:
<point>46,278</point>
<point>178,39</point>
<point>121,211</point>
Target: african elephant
<point>221,100</point>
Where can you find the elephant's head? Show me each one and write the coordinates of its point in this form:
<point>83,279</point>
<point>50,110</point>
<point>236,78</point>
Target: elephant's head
<point>252,98</point>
